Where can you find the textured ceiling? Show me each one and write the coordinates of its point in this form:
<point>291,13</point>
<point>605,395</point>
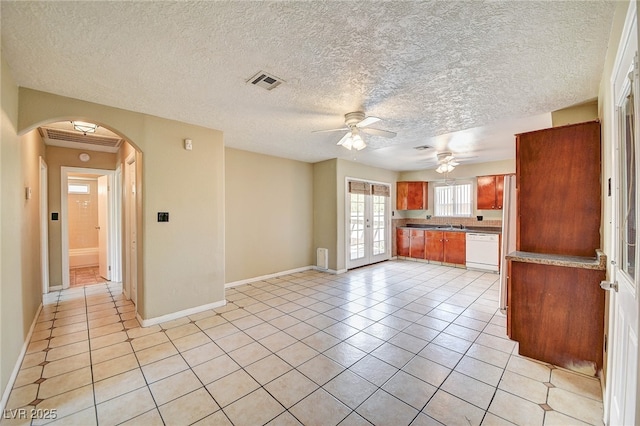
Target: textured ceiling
<point>437,72</point>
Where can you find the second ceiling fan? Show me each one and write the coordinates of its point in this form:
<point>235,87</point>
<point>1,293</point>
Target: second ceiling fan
<point>355,123</point>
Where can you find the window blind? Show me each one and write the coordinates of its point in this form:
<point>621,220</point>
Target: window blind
<point>356,187</point>
<point>453,200</point>
<point>381,190</point>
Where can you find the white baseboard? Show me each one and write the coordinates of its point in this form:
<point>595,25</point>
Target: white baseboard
<point>179,314</point>
<point>331,271</point>
<point>16,368</point>
<point>266,277</point>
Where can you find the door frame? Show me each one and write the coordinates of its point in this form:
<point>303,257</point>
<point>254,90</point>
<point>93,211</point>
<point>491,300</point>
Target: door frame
<point>347,222</point>
<point>44,224</point>
<point>130,214</point>
<point>618,307</point>
<point>113,217</point>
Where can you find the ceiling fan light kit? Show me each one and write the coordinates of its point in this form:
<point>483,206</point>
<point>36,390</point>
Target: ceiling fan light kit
<point>355,122</point>
<point>446,162</point>
<point>352,140</point>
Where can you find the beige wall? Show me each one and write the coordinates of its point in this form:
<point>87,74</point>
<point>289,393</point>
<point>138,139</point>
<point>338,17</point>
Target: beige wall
<point>58,157</point>
<point>182,262</point>
<point>586,111</point>
<point>464,171</point>
<point>325,213</point>
<point>268,215</point>
<point>20,284</point>
<point>184,258</point>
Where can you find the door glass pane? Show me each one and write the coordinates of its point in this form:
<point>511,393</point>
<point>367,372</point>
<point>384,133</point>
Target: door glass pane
<point>379,230</point>
<point>357,223</point>
<point>628,188</point>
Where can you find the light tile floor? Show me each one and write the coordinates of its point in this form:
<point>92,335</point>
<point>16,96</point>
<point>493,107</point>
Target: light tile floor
<point>395,343</point>
<point>86,275</point>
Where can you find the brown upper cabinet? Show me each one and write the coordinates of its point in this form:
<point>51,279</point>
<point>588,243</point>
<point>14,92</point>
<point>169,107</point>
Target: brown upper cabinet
<point>411,196</point>
<point>558,187</point>
<point>490,190</point>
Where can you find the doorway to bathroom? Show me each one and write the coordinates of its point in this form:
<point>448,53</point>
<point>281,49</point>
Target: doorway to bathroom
<point>90,222</point>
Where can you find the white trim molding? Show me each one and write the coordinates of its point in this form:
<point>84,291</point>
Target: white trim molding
<point>274,275</point>
<point>175,315</point>
<point>16,368</point>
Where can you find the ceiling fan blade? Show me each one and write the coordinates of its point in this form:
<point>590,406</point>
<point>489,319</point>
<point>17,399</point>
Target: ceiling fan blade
<point>341,129</point>
<point>344,138</point>
<point>368,121</point>
<point>380,132</point>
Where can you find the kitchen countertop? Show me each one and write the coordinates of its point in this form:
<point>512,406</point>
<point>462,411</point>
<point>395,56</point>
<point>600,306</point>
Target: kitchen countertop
<point>598,262</point>
<point>479,229</point>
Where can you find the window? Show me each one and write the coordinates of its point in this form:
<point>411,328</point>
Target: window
<point>453,200</point>
<point>78,188</point>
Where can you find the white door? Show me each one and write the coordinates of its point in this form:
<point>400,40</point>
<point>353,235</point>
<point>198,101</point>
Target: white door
<point>368,226</point>
<point>131,230</point>
<point>622,376</point>
<point>103,227</point>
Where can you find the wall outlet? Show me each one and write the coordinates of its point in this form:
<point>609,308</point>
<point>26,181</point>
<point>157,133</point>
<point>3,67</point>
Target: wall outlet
<point>163,216</point>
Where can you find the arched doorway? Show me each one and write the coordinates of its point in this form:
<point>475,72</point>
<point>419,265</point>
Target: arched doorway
<point>88,157</point>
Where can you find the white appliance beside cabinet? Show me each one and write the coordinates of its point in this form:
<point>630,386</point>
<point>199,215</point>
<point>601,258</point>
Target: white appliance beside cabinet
<point>483,251</point>
<point>509,210</point>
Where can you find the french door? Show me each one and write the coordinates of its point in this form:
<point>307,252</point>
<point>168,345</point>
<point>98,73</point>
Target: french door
<point>622,377</point>
<point>368,222</point>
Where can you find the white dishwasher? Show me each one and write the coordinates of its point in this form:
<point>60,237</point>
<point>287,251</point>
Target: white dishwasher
<point>482,251</point>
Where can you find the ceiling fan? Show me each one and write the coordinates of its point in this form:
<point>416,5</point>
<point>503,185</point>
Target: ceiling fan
<point>355,123</point>
<point>446,161</point>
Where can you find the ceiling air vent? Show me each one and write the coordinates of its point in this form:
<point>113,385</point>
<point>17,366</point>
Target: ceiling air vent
<point>265,80</point>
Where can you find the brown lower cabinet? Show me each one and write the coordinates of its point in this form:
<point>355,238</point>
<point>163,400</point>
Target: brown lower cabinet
<point>434,246</point>
<point>556,314</point>
<point>438,246</point>
<point>416,244</point>
<point>403,239</point>
<point>446,246</point>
